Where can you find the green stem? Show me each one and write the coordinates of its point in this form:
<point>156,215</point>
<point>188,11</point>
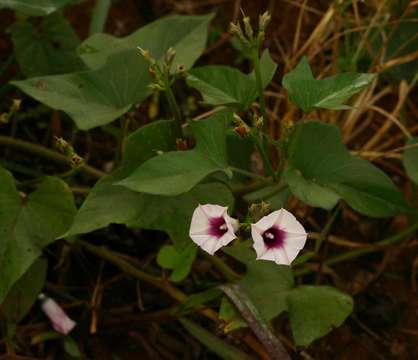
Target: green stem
<point>266,161</point>
<point>99,16</point>
<point>174,109</point>
<point>250,174</point>
<point>361,252</point>
<point>259,83</point>
<point>219,264</point>
<point>327,228</point>
<point>47,153</point>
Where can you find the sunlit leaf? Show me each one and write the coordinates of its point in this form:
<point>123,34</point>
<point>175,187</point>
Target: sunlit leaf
<point>94,97</point>
<point>329,93</point>
<point>186,34</point>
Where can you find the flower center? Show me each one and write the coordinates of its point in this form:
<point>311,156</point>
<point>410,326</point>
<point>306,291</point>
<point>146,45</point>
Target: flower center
<point>217,227</point>
<point>274,237</point>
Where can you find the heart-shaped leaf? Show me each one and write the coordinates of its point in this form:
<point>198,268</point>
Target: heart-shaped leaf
<point>329,93</point>
<point>186,34</point>
<point>224,85</point>
<point>177,172</point>
<point>170,214</point>
<point>94,97</point>
<point>180,261</point>
<point>30,225</point>
<point>48,48</point>
<point>316,310</point>
<point>265,282</point>
<point>321,172</point>
<point>24,292</point>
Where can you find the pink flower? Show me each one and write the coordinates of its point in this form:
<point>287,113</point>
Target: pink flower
<point>212,227</point>
<point>278,237</point>
<point>59,319</point>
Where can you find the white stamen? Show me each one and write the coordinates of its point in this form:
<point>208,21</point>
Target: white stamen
<point>223,227</point>
<point>269,235</point>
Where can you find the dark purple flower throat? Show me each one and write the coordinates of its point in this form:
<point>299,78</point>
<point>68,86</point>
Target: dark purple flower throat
<point>274,237</point>
<point>217,227</point>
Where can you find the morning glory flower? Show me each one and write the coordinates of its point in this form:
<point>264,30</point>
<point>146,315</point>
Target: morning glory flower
<point>59,319</point>
<point>212,227</point>
<point>278,237</point>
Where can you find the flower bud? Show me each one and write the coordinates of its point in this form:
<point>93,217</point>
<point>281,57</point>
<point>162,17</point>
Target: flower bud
<point>259,210</point>
<point>263,21</point>
<point>59,319</point>
<point>248,28</point>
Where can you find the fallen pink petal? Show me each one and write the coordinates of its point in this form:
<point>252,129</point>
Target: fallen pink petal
<point>212,228</point>
<point>278,237</point>
<point>59,319</point>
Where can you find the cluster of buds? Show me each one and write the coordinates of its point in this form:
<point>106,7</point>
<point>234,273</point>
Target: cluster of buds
<point>75,160</point>
<point>162,73</point>
<point>14,108</point>
<point>247,36</point>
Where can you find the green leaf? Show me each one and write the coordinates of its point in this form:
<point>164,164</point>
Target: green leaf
<point>180,261</point>
<point>329,93</point>
<point>28,226</point>
<point>267,68</point>
<point>34,8</point>
<point>316,310</point>
<point>320,172</point>
<point>170,214</point>
<point>214,344</point>
<point>177,172</point>
<point>231,316</point>
<point>95,97</point>
<point>223,85</point>
<point>71,347</point>
<point>309,191</point>
<point>410,159</point>
<point>47,48</point>
<point>197,299</point>
<point>265,282</point>
<point>188,39</point>
<point>24,292</point>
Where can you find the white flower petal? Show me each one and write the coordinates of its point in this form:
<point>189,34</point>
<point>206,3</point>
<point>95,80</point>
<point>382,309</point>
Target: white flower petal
<point>213,210</point>
<point>293,242</point>
<point>203,235</point>
<point>200,221</point>
<point>293,245</point>
<point>289,223</point>
<point>268,221</point>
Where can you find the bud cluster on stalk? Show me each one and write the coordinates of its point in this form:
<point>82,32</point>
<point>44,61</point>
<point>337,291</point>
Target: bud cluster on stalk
<point>14,108</point>
<point>249,37</point>
<point>75,160</point>
<point>163,75</point>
